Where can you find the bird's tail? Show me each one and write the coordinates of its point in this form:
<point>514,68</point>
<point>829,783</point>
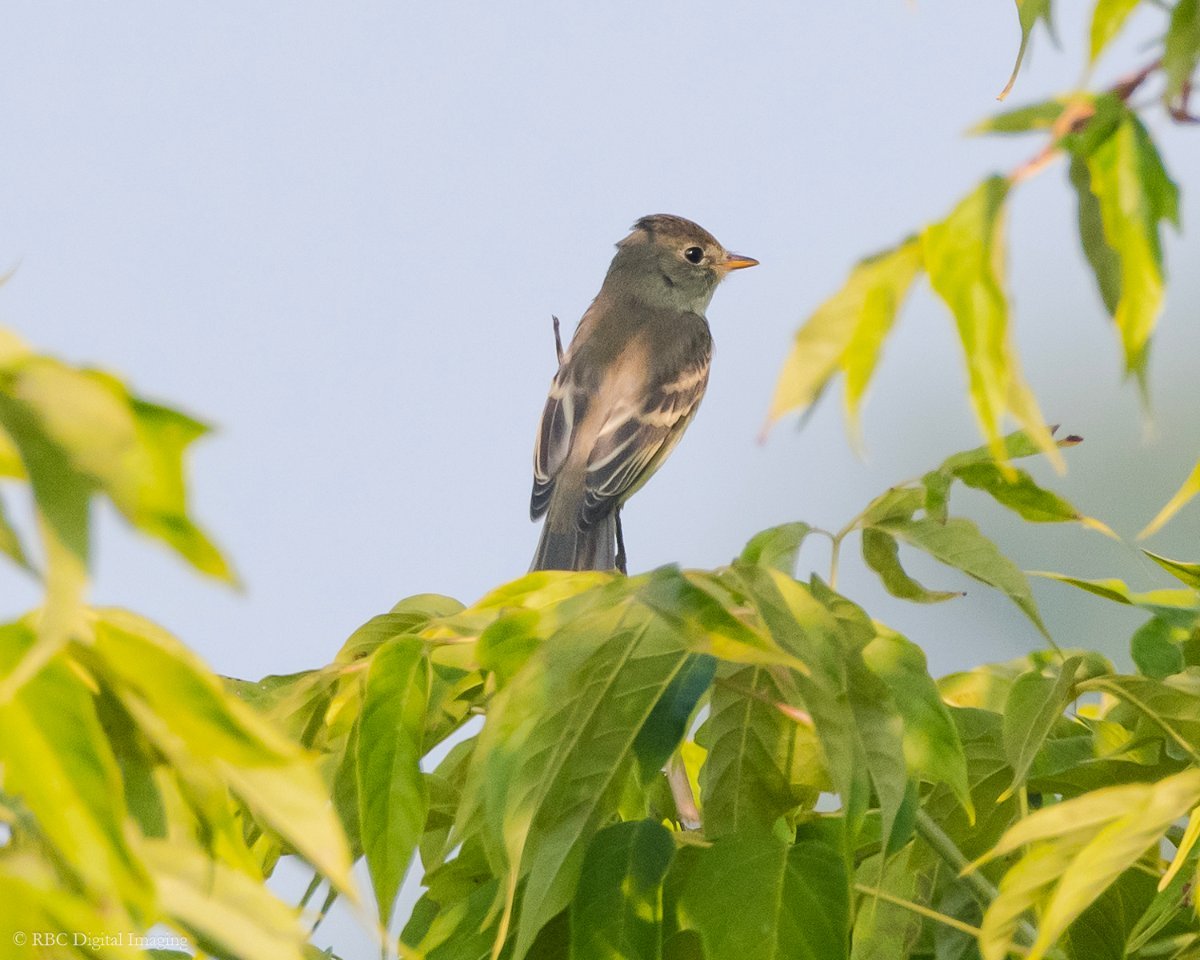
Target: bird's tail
<point>564,546</point>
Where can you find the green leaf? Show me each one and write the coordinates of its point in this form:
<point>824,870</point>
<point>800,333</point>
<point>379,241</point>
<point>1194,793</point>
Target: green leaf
<point>459,930</point>
<point>881,730</point>
<point>1182,50</point>
<point>747,779</point>
<point>228,913</point>
<point>1181,607</point>
<point>617,910</point>
<point>690,603</point>
<point>85,426</point>
<point>898,503</point>
<point>1077,848</point>
<point>1156,647</point>
<point>1171,707</point>
<point>932,749</point>
<point>959,544</point>
<point>1188,573</point>
<point>1019,492</point>
<point>667,724</point>
<point>56,759</point>
<point>883,930</point>
<point>988,776</point>
<point>882,554</point>
<point>777,547</point>
<point>1034,704</point>
<point>964,255</point>
<point>802,624</point>
<point>1134,194</point>
<point>189,716</point>
<point>1036,116</point>
<point>1017,445</point>
<point>1106,264</point>
<point>558,745</point>
<point>847,332</point>
<point>1191,487</point>
<point>1029,12</point>
<point>792,903</point>
<point>1100,932</point>
<point>393,797</point>
<point>1107,19</point>
<point>10,542</point>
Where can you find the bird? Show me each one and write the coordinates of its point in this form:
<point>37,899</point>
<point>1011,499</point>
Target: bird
<point>626,388</point>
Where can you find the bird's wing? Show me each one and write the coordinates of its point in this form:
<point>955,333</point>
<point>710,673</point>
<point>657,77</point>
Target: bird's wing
<point>636,437</point>
<point>565,407</point>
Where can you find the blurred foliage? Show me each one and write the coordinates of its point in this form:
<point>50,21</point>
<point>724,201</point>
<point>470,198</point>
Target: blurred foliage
<point>1124,195</point>
<point>736,763</point>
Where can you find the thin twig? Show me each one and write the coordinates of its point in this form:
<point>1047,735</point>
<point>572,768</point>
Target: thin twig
<point>983,889</point>
<point>681,792</point>
<point>1075,117</point>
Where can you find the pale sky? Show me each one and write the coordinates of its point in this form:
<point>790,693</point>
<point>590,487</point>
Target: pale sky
<point>338,233</point>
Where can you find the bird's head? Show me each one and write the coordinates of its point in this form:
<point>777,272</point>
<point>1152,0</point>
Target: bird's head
<point>674,261</point>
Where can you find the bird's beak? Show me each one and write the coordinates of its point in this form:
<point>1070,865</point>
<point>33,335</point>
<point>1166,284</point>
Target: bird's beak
<point>735,261</point>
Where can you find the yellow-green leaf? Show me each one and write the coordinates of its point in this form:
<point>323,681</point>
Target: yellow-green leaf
<point>228,913</point>
<point>1036,116</point>
<point>1029,12</point>
<point>846,333</point>
<point>1191,486</point>
<point>1079,847</point>
<point>964,255</point>
<point>1188,573</point>
<point>1182,50</point>
<point>189,715</point>
<point>1107,19</point>
<point>393,796</point>
<point>1134,193</point>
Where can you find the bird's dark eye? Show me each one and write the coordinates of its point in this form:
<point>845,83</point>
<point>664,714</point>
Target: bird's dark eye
<point>693,254</point>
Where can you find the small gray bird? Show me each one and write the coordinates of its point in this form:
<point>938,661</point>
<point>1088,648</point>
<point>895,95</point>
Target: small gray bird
<point>626,388</point>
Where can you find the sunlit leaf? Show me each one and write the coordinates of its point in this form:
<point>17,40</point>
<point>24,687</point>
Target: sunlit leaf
<point>55,757</point>
<point>1105,263</point>
<point>847,332</point>
<point>1107,19</point>
<point>1181,607</point>
<point>1188,573</point>
<point>189,715</point>
<point>1135,194</point>
<point>1171,707</point>
<point>392,793</point>
<point>617,911</point>
<point>1191,486</point>
<point>964,255</point>
<point>1076,850</point>
<point>227,913</point>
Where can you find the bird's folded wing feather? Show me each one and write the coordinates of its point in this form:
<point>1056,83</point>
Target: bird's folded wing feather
<point>635,438</point>
<point>565,407</point>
